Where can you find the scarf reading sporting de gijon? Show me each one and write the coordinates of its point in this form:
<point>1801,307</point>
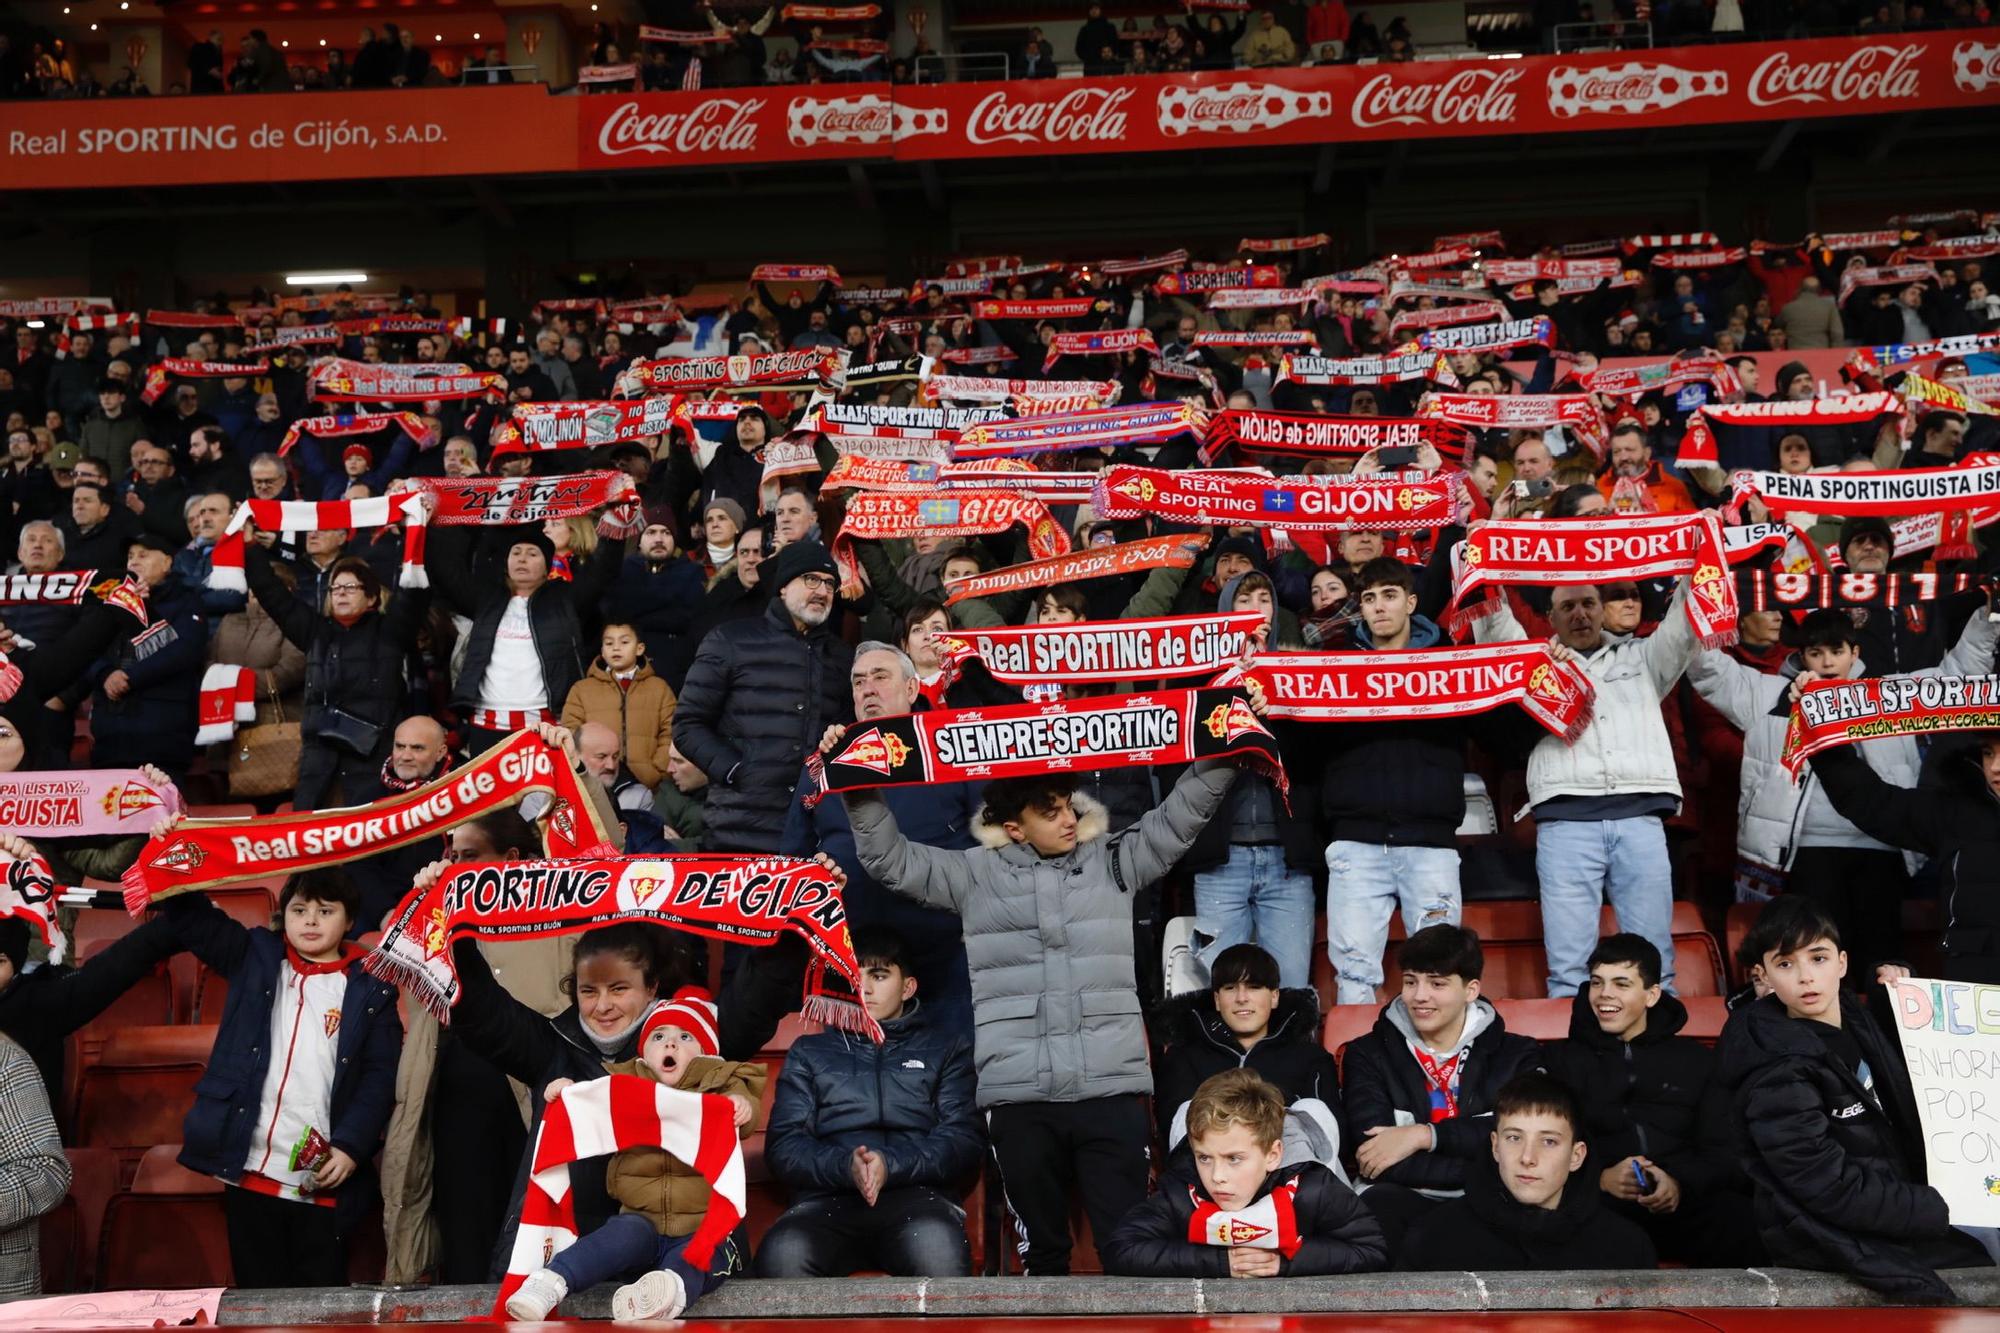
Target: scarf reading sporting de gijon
<point>1096,652</point>
<point>1095,562</point>
<point>1842,712</point>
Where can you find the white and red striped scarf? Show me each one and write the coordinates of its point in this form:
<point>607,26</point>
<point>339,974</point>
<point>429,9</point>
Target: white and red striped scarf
<point>1271,1223</point>
<point>1532,270</point>
<point>1259,298</point>
<point>1046,395</point>
<point>344,424</point>
<point>226,563</point>
<point>618,1113</point>
<point>1669,240</point>
<point>1126,267</point>
<point>1719,257</point>
<point>1214,280</point>
<point>183,367</point>
<point>228,698</point>
<point>1131,426</point>
<point>795,273</point>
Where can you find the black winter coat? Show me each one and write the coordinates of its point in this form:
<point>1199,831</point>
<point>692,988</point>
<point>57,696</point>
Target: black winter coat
<point>1489,1230</point>
<point>1655,1096</point>
<point>42,1006</point>
<point>660,603</point>
<point>733,473</point>
<point>910,1099</point>
<point>1839,1172</point>
<point>1382,1077</point>
<point>1954,817</point>
<point>356,668</point>
<point>756,702</point>
<point>1336,1233</point>
<point>155,721</point>
<point>557,612</point>
<point>1200,1046</point>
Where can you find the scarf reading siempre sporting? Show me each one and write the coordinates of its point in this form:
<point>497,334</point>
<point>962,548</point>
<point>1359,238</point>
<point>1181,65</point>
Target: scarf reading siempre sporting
<point>1106,651</point>
<point>872,516</point>
<point>1020,740</point>
<point>613,1114</point>
<point>1582,550</point>
<point>83,803</point>
<point>357,423</point>
<point>1304,504</point>
<point>204,853</point>
<point>28,892</point>
<point>742,899</point>
<point>1104,427</point>
<point>1841,712</point>
<point>1316,436</point>
<point>160,372</point>
<point>1698,444</point>
<point>1096,562</point>
<point>1271,1223</point>
<point>1423,683</point>
<point>226,560</point>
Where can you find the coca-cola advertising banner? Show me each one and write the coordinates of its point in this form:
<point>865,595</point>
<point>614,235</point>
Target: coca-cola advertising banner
<point>525,130</point>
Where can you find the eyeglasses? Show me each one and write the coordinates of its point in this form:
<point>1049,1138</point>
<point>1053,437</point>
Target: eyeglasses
<point>819,582</point>
<point>345,587</point>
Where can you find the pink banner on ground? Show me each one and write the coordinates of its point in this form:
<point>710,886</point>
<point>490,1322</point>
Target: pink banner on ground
<point>115,1309</point>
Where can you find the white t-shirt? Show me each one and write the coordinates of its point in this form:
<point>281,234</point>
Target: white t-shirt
<point>513,679</point>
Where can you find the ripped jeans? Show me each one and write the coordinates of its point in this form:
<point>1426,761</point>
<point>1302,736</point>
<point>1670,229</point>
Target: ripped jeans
<point>1365,882</point>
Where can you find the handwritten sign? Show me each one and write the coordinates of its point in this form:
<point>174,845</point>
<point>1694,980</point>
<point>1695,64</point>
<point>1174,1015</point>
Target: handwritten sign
<point>1950,1032</point>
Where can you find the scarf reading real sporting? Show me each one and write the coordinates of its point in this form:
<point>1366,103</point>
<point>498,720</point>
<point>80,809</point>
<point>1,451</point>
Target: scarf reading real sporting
<point>340,381</point>
<point>1105,651</point>
<point>1842,712</point>
<point>1304,504</point>
<point>872,516</point>
<point>1698,444</point>
<point>1324,371</point>
<point>1022,740</point>
<point>1131,426</point>
<point>205,853</point>
<point>617,1113</point>
<point>741,899</point>
<point>1311,436</point>
<point>1096,562</point>
<point>1421,683</point>
<point>1582,550</point>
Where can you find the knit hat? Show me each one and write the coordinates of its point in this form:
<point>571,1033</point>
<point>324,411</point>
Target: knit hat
<point>536,538</point>
<point>729,507</point>
<point>1788,372</point>
<point>692,1009</point>
<point>798,559</point>
<point>353,449</point>
<point>1248,547</point>
<point>1862,524</point>
<point>657,516</point>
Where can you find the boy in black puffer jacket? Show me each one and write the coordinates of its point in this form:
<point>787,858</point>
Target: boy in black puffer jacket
<point>1254,1217</point>
<point>1537,1210</point>
<point>877,1142</point>
<point>1653,1111</point>
<point>1829,1129</point>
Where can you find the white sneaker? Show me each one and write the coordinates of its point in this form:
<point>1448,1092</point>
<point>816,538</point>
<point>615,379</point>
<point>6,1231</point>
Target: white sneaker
<point>542,1291</point>
<point>659,1295</point>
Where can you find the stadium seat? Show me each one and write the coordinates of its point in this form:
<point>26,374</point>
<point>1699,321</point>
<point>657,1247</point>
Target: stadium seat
<point>93,1180</point>
<point>1706,1015</point>
<point>226,810</point>
<point>166,1200</point>
<point>1544,1020</point>
<point>790,1028</point>
<point>139,1091</point>
<point>1345,1022</point>
<point>97,927</point>
<point>60,1234</point>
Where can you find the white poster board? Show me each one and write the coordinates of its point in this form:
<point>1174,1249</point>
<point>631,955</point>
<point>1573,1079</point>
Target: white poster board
<point>1950,1032</point>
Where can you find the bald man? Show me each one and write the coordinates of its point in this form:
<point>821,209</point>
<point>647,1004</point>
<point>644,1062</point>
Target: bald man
<point>603,753</point>
<point>419,752</point>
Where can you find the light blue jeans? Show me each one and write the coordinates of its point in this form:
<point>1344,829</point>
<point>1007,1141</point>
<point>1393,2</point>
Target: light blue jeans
<point>1254,896</point>
<point>1365,882</point>
<point>1581,864</point>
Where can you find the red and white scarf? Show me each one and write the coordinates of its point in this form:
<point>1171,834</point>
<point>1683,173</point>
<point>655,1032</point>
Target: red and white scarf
<point>1095,562</point>
<point>182,367</point>
<point>837,421</point>
<point>1698,444</point>
<point>1103,342</point>
<point>979,356</point>
<point>1420,683</point>
<point>872,516</point>
<point>811,369</point>
<point>1897,354</point>
<point>1061,307</point>
<point>1306,504</point>
<point>1314,436</point>
<point>1632,381</point>
<point>1444,316</point>
<point>1470,240</point>
<point>583,425</point>
<point>1259,298</point>
<point>228,699</point>
<point>796,272</point>
<point>1289,245</point>
<point>1772,590</point>
<point>505,501</point>
<point>1197,281</point>
<point>1070,394</point>
<point>1517,552</point>
<point>336,380</point>
<point>1714,257</point>
<point>1842,712</point>
<point>924,478</point>
<point>347,424</point>
<point>1329,371</point>
<point>204,853</point>
<point>70,587</point>
<point>1668,240</point>
<point>1105,651</point>
<point>1575,412</point>
<point>1450,256</point>
<point>1121,268</point>
<point>377,511</point>
<point>1271,1223</point>
<point>1132,426</point>
<point>618,1113</point>
<point>1508,271</point>
<point>1887,275</point>
<point>83,803</point>
<point>1498,336</point>
<point>1923,394</point>
<point>28,892</point>
<point>1251,338</point>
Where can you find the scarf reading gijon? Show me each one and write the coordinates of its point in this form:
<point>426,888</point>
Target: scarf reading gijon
<point>1022,740</point>
<point>336,380</point>
<point>1106,342</point>
<point>1842,712</point>
<point>1516,552</point>
<point>811,369</point>
<point>872,516</point>
<point>1305,504</point>
<point>741,899</point>
<point>1315,436</point>
<point>1331,371</point>
<point>1421,683</point>
<point>614,1114</point>
<point>1096,562</point>
<point>1105,650</point>
<point>205,853</point>
<point>1698,444</point>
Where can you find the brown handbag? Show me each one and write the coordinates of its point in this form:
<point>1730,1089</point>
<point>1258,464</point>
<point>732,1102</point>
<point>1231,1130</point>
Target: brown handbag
<point>264,759</point>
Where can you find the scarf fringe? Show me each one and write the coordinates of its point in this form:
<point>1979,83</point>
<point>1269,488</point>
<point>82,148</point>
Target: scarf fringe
<point>409,979</point>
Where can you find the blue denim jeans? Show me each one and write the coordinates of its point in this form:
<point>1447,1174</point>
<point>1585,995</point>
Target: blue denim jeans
<point>1365,883</point>
<point>1255,896</point>
<point>626,1247</point>
<point>1582,863</point>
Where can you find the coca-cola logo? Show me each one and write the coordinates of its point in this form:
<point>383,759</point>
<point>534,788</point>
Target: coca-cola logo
<point>1867,74</point>
<point>1242,106</point>
<point>713,125</point>
<point>1468,97</point>
<point>1081,115</point>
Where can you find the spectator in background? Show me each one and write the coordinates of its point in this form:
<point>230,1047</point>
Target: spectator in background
<point>1097,43</point>
<point>338,74</point>
<point>1270,44</point>
<point>372,60</point>
<point>409,64</point>
<point>1811,320</point>
<point>143,692</point>
<point>1326,30</point>
<point>1038,58</point>
<point>491,69</point>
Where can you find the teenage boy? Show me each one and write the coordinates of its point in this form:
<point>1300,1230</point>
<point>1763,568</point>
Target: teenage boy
<point>1238,1212</point>
<point>1060,1047</point>
<point>1420,1088</point>
<point>300,1084</point>
<point>876,1142</point>
<point>1830,1135</point>
<point>1655,1116</point>
<point>1535,1211</point>
<point>1791,825</point>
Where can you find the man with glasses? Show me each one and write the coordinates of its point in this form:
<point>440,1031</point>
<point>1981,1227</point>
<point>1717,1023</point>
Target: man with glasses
<point>154,495</point>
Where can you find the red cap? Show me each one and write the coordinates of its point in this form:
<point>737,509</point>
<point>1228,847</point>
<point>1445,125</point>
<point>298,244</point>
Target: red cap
<point>692,1009</point>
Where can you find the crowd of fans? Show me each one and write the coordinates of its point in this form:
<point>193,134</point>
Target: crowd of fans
<point>1011,934</point>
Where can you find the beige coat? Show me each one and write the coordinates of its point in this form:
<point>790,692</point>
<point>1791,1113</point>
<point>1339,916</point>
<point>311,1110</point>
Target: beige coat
<point>643,716</point>
<point>250,638</point>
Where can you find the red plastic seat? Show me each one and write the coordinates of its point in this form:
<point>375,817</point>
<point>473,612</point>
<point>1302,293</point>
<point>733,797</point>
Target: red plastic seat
<point>166,1201</point>
<point>790,1028</point>
<point>60,1232</point>
<point>96,928</point>
<point>139,1091</point>
<point>1544,1020</point>
<point>93,1180</point>
<point>1706,1015</point>
<point>224,810</point>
